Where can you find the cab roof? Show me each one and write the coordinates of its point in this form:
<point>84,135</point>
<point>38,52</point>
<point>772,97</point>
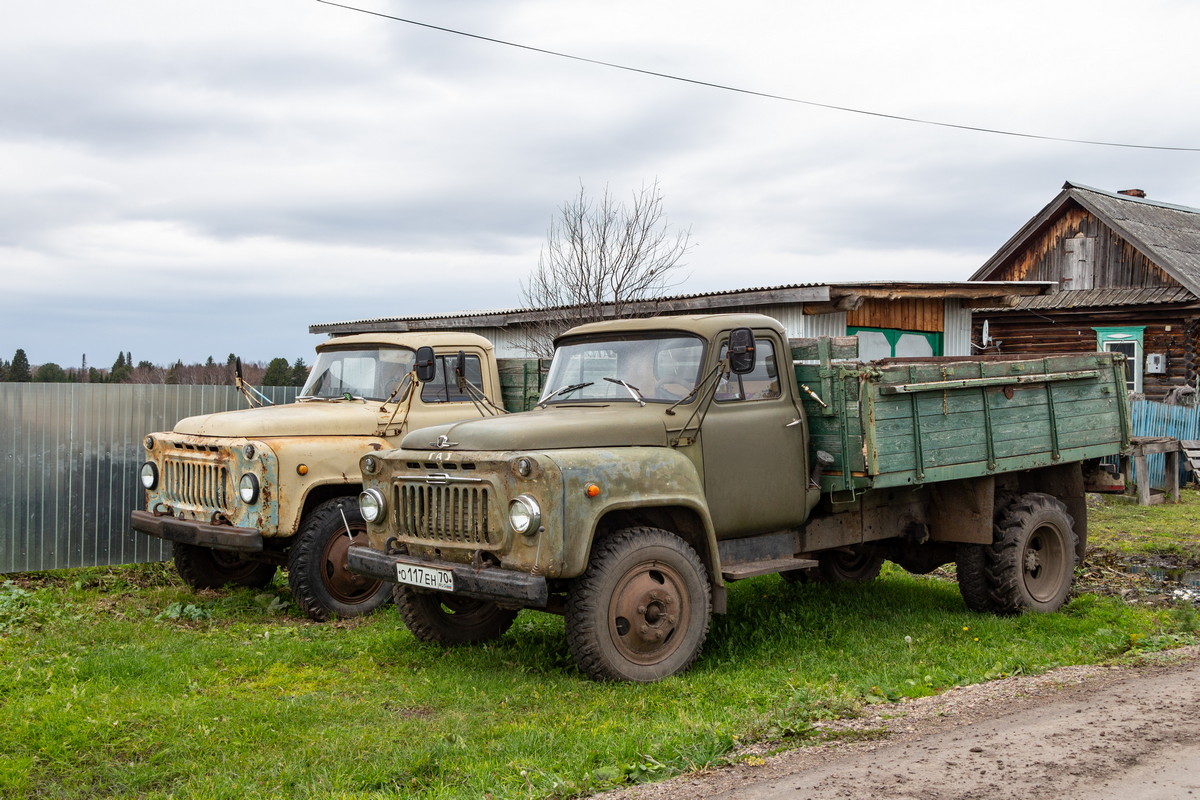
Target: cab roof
<point>438,340</point>
<point>706,325</point>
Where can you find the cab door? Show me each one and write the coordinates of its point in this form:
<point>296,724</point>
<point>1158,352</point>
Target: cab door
<point>755,446</point>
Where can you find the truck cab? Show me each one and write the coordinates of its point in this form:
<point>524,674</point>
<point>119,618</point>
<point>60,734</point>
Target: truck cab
<point>241,493</point>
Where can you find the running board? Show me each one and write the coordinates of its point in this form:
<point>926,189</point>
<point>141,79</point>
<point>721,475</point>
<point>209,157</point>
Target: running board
<point>752,569</point>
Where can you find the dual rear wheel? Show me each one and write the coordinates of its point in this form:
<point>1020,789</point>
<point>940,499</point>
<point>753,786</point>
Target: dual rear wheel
<point>1030,565</point>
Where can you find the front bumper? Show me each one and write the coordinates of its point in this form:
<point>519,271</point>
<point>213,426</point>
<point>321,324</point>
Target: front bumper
<point>217,537</point>
<point>484,583</point>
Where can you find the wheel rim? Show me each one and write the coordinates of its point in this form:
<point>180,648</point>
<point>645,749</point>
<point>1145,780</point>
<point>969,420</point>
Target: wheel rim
<point>1044,563</point>
<point>851,563</point>
<point>345,586</point>
<point>648,613</point>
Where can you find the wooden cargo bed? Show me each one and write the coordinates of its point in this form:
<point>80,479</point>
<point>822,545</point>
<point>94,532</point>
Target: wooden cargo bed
<point>911,421</point>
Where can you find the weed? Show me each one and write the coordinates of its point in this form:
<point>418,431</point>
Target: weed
<point>187,611</point>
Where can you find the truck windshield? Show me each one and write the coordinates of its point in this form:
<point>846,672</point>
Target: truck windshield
<point>659,368</point>
<point>372,374</point>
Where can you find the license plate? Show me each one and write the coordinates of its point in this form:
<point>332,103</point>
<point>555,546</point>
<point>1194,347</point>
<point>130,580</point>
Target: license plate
<point>426,577</point>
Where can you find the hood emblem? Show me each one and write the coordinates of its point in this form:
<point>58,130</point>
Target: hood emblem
<point>443,442</point>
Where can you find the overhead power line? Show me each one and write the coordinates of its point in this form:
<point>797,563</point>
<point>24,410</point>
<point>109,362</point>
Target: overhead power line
<point>753,93</point>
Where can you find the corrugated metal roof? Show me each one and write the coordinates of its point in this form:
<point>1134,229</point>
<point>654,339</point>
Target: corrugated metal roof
<point>762,295</point>
<point>1093,298</point>
<point>1168,234</point>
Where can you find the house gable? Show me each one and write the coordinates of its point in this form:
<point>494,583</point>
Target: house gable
<point>1128,277</point>
<point>1089,239</point>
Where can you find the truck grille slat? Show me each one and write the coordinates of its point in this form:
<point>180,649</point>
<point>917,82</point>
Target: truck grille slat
<point>458,514</point>
<point>187,483</point>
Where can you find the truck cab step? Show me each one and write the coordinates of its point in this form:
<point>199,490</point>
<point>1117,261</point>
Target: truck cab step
<point>751,569</point>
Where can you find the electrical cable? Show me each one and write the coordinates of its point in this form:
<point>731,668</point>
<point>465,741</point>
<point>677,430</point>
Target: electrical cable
<point>766,95</point>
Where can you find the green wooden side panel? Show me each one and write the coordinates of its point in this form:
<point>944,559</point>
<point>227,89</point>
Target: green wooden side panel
<point>895,424</point>
<point>521,381</point>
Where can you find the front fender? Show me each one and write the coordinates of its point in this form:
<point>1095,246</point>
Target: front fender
<point>628,478</point>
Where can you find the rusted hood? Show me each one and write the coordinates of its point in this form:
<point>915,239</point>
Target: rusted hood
<point>551,428</point>
<point>350,418</point>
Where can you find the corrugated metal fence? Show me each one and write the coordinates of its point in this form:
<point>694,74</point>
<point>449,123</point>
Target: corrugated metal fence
<point>1159,419</point>
<point>70,455</point>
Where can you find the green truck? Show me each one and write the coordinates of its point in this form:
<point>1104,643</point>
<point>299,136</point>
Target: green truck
<point>240,493</point>
<point>670,456</point>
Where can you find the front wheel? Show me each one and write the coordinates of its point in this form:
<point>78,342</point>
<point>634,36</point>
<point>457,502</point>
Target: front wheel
<point>641,610</point>
<point>205,568</point>
<point>321,584</point>
<point>450,618</point>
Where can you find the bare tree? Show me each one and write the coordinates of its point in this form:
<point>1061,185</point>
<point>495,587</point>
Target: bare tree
<point>600,259</point>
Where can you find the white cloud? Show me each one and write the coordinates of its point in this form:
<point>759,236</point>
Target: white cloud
<point>186,180</point>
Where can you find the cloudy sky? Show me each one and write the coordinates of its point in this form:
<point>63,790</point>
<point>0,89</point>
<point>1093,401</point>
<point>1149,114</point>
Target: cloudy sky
<point>185,179</point>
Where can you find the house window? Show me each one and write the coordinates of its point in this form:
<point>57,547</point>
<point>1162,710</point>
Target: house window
<point>1129,342</point>
<point>876,343</point>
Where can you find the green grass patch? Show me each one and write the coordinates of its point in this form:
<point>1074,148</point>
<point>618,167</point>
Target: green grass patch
<point>123,683</point>
<point>1119,525</point>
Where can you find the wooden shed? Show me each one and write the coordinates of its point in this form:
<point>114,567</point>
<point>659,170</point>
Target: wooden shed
<point>1127,274</point>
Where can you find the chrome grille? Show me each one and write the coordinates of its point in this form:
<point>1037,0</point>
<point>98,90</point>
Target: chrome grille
<point>441,513</point>
<point>196,484</point>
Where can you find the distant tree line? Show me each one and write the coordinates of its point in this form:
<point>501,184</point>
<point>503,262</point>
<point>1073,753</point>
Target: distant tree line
<point>277,372</point>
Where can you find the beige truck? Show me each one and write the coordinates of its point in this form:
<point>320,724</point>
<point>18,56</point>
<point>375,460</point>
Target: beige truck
<point>240,493</point>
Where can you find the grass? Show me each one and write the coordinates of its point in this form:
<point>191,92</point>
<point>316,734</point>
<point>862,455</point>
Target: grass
<point>124,683</point>
<point>1172,530</point>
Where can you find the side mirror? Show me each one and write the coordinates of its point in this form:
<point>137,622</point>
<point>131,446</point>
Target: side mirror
<point>426,365</point>
<point>741,351</point>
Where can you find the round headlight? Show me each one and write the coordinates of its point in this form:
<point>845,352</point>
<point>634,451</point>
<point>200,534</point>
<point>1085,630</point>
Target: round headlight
<point>524,515</point>
<point>149,475</point>
<point>149,442</point>
<point>248,488</point>
<point>371,504</point>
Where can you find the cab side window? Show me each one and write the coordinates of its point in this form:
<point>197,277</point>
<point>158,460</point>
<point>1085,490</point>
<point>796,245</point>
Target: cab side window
<point>444,386</point>
<point>761,384</point>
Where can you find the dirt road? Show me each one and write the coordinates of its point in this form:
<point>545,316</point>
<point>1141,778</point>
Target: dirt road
<point>1098,733</point>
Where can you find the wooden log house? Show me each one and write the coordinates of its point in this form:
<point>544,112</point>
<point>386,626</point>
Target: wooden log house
<point>1126,270</point>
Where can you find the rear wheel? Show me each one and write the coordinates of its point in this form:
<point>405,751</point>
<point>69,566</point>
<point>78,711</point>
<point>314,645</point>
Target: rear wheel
<point>1030,565</point>
<point>641,610</point>
<point>450,618</point>
<point>849,565</point>
<point>321,584</point>
<point>205,568</point>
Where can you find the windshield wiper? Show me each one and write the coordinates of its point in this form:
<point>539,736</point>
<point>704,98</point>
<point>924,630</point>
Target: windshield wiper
<point>564,390</point>
<point>634,392</point>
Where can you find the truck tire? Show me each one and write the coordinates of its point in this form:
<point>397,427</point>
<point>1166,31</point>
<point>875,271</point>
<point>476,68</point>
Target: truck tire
<point>849,565</point>
<point>449,618</point>
<point>641,610</point>
<point>205,568</point>
<point>1030,565</point>
<point>971,570</point>
<point>321,584</point>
